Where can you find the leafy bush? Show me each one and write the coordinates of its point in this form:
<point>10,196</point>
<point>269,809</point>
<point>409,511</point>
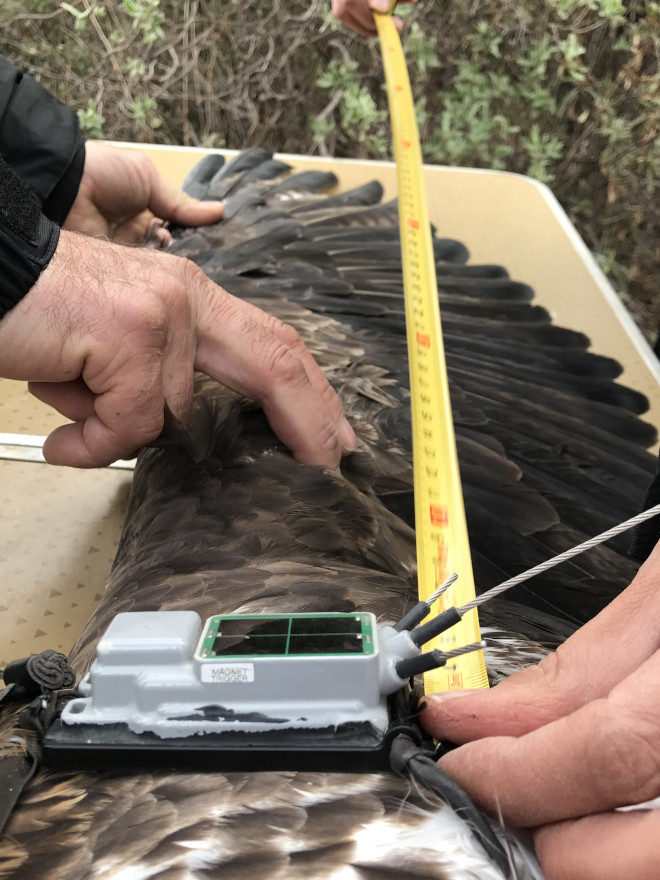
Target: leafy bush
<point>567,91</point>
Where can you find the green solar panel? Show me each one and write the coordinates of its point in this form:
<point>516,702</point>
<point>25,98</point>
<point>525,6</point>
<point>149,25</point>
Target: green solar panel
<point>287,635</point>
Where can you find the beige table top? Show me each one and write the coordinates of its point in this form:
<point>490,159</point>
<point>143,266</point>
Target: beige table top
<point>60,529</point>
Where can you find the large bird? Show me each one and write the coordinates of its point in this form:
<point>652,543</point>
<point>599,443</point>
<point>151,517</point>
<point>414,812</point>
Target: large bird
<point>222,519</point>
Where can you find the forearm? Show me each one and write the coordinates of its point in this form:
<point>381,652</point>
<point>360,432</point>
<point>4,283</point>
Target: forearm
<point>40,138</point>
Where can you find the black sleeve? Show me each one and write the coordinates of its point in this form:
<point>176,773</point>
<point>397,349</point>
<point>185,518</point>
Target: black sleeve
<point>42,156</point>
<point>40,138</point>
<point>27,238</point>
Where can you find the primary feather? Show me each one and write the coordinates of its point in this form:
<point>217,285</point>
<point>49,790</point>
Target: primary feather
<point>222,519</point>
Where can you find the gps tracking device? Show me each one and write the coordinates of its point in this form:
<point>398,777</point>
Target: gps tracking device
<point>242,692</point>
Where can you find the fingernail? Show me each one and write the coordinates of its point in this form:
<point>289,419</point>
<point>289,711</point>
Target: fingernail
<point>165,237</point>
<point>347,435</point>
<point>219,206</point>
<point>379,5</point>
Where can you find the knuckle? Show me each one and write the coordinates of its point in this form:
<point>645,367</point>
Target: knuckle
<point>554,677</point>
<point>329,441</point>
<point>132,430</point>
<point>106,440</point>
<point>191,274</point>
<point>150,426</point>
<point>144,315</point>
<point>551,668</point>
<point>629,742</point>
<point>288,334</point>
<point>544,690</point>
<point>541,678</point>
<point>175,303</point>
<point>144,166</point>
<point>328,394</point>
<point>279,345</point>
<point>196,290</point>
<point>281,366</point>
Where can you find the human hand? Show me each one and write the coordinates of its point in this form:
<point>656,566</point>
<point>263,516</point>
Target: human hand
<point>121,193</point>
<point>559,746</point>
<point>358,14</point>
<point>108,335</point>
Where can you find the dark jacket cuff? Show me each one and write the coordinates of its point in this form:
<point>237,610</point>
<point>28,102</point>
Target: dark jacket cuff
<point>40,138</point>
<point>27,238</point>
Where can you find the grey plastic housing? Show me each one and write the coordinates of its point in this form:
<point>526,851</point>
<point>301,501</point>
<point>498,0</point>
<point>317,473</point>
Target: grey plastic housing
<point>151,674</point>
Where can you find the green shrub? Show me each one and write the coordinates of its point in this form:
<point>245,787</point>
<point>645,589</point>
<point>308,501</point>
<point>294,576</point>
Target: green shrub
<point>567,91</point>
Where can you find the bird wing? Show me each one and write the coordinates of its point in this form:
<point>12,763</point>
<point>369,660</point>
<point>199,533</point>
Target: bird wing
<point>222,519</point>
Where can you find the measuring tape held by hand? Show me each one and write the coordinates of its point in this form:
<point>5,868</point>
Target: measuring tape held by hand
<point>442,540</point>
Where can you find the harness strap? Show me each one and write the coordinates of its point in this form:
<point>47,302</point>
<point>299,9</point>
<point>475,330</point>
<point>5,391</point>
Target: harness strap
<point>47,679</point>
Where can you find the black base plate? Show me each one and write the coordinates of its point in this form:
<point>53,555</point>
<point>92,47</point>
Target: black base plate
<point>346,748</point>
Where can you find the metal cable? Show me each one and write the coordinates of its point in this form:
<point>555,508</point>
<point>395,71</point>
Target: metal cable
<point>466,649</point>
<point>556,560</point>
<point>442,588</point>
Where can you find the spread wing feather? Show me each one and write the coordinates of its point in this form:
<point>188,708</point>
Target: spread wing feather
<point>222,519</point>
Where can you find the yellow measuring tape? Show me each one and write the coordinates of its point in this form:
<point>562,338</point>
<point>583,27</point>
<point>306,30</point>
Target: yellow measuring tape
<point>442,539</point>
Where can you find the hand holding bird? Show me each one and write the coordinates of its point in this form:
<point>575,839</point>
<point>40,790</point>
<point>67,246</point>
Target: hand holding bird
<point>109,335</point>
<point>121,193</point>
<point>560,746</point>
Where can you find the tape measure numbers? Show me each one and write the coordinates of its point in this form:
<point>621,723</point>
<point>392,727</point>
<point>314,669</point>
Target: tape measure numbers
<point>442,539</point>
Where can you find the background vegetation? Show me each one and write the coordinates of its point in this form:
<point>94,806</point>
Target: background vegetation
<point>565,90</point>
